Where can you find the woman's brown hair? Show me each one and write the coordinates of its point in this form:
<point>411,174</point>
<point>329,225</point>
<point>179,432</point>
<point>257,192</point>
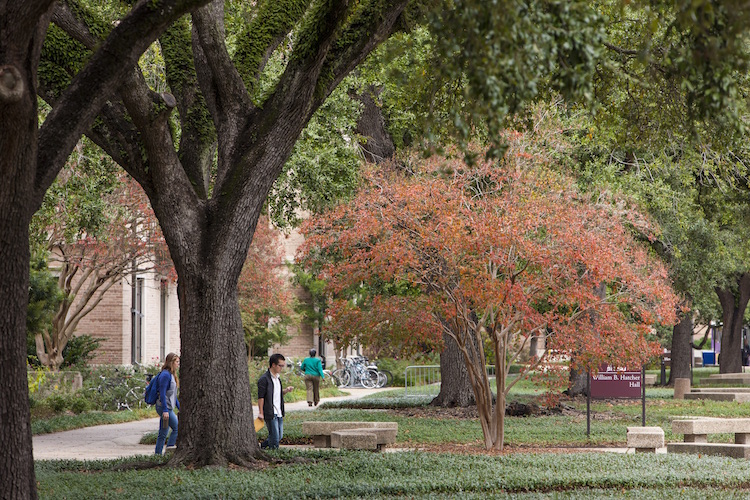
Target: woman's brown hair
<point>169,362</point>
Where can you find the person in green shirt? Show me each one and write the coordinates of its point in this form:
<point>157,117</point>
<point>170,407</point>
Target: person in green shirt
<point>313,370</point>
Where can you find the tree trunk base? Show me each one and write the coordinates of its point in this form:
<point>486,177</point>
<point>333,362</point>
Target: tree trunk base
<point>454,400</point>
<point>247,460</point>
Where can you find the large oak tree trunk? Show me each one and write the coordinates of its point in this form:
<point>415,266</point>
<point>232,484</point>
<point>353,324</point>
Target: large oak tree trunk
<point>455,386</point>
<point>733,307</point>
<point>16,462</point>
<point>682,336</point>
<point>18,156</point>
<point>216,409</point>
<point>216,416</point>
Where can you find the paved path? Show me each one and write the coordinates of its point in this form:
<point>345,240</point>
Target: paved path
<point>122,440</point>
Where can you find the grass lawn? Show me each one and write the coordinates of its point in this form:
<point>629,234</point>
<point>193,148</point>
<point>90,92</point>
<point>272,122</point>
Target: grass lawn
<point>412,475</point>
<point>69,421</point>
<point>543,459</point>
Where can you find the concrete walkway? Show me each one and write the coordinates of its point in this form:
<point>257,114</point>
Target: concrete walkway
<point>122,440</point>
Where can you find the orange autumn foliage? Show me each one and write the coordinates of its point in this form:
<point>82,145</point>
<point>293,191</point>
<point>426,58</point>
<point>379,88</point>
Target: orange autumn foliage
<point>496,251</point>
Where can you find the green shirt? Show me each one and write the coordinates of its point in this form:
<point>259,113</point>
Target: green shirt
<point>312,366</point>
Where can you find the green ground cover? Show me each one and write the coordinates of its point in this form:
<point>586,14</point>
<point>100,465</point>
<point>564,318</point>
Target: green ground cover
<point>66,422</point>
<point>327,474</point>
<point>569,472</point>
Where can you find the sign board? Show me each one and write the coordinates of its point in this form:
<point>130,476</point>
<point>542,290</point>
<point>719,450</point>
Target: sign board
<point>613,382</point>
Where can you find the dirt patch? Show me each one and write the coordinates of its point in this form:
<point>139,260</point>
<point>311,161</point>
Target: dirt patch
<point>514,409</point>
<point>477,448</point>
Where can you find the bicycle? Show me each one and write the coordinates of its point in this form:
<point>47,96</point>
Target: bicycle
<point>134,394</point>
<point>118,394</point>
<point>356,371</point>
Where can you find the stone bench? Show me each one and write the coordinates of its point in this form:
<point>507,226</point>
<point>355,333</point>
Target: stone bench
<point>645,439</point>
<point>351,435</point>
<point>696,433</point>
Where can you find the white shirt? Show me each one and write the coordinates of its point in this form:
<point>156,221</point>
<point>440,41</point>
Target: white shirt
<point>276,395</point>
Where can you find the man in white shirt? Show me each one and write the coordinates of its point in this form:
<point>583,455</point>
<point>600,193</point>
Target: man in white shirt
<point>271,401</point>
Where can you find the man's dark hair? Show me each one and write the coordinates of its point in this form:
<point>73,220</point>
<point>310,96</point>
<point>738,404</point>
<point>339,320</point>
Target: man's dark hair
<point>275,358</point>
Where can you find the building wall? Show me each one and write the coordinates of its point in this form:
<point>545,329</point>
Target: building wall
<point>106,322</point>
<point>111,320</point>
<point>302,335</point>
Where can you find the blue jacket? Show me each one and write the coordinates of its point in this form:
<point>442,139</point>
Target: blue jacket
<point>167,391</point>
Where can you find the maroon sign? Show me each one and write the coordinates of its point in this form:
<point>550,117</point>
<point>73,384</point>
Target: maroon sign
<point>612,382</point>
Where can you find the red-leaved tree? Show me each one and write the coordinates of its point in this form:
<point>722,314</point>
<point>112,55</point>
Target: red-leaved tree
<point>265,294</point>
<point>499,252</point>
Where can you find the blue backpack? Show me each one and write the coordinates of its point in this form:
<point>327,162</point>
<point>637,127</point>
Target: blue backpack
<point>151,394</point>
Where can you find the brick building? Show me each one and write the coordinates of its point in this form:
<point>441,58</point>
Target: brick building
<point>138,323</point>
<point>141,323</point>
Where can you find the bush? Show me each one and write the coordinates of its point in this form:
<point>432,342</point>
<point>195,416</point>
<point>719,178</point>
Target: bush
<point>80,404</point>
<point>36,379</point>
<point>58,402</point>
<point>109,388</point>
<point>79,351</point>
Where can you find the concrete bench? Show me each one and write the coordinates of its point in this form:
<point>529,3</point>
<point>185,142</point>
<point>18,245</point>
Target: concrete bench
<point>351,435</point>
<point>696,433</point>
<point>645,439</point>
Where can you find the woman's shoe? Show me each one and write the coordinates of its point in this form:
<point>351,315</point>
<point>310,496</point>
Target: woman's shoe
<point>309,403</point>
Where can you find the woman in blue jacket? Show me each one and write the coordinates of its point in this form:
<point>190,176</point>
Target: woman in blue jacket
<point>168,383</point>
<point>313,369</point>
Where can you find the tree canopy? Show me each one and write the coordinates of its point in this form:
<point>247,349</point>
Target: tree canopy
<point>243,79</point>
<point>509,250</point>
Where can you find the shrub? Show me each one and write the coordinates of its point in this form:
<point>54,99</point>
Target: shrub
<point>36,379</point>
<point>58,402</point>
<point>79,351</point>
<point>80,404</point>
<point>106,386</point>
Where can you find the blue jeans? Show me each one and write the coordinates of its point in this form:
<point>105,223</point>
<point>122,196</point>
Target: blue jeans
<point>275,428</point>
<point>163,428</point>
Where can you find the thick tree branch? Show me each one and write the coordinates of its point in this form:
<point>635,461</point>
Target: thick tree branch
<point>76,28</point>
<point>27,16</point>
<point>115,134</point>
<point>371,25</point>
<point>294,91</point>
<point>262,36</point>
<point>114,131</point>
<point>263,143</point>
<point>198,136</point>
<point>94,84</point>
<point>232,102</point>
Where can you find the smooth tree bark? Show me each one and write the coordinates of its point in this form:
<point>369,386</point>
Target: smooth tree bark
<point>208,213</point>
<point>32,155</point>
<point>682,349</point>
<point>733,305</point>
